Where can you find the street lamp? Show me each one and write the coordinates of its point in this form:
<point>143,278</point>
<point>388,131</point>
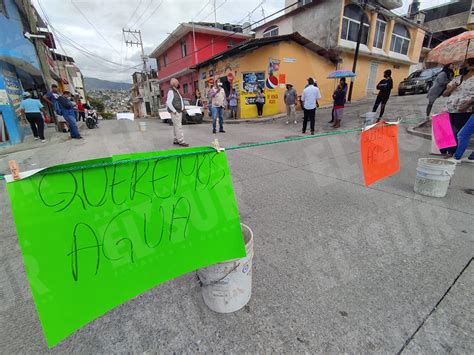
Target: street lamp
<point>363,3</point>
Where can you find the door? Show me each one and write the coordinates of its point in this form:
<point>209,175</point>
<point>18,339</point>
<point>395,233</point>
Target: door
<point>372,80</point>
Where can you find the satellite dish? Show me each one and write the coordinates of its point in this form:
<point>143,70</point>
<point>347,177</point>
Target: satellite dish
<point>246,28</point>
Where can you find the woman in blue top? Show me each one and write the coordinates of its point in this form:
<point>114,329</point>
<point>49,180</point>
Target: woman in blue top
<point>233,104</point>
<point>32,109</point>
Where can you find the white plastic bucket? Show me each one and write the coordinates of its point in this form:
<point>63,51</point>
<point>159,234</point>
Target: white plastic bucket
<point>142,126</point>
<point>433,176</point>
<point>371,118</point>
<point>226,287</point>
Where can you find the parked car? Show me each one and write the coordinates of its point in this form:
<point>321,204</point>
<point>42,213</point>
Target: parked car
<point>418,82</point>
<point>191,114</point>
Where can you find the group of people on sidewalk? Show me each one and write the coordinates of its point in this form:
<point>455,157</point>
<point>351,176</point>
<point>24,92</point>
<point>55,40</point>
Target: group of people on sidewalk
<point>309,103</point>
<point>62,104</point>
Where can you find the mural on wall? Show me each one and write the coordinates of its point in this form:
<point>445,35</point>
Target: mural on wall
<point>14,90</point>
<point>253,80</point>
<point>273,69</point>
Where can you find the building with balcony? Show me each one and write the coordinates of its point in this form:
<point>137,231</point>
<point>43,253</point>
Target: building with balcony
<point>442,22</point>
<point>388,40</point>
<point>145,94</point>
<point>188,45</point>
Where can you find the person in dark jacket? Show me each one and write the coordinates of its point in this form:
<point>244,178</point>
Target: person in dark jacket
<point>385,86</point>
<point>439,85</point>
<point>344,86</point>
<point>339,98</point>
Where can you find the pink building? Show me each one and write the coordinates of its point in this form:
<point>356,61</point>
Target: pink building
<point>188,45</point>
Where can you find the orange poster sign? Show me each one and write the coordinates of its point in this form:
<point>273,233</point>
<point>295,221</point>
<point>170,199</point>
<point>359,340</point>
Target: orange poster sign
<point>282,78</point>
<point>379,152</point>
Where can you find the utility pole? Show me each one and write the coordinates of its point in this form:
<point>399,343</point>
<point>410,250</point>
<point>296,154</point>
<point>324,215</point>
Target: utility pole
<point>356,53</point>
<point>215,15</point>
<point>135,38</point>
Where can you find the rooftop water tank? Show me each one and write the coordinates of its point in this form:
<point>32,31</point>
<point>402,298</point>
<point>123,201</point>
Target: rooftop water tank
<point>390,4</point>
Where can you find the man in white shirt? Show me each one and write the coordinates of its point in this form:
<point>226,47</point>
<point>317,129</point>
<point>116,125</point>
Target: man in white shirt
<point>218,102</point>
<point>310,97</point>
<point>175,106</point>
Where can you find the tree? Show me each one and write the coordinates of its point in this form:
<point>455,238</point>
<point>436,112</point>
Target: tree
<point>96,103</point>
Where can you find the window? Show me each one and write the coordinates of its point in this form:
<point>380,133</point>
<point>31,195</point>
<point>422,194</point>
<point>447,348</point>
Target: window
<point>271,31</point>
<point>230,44</point>
<point>380,29</point>
<point>304,2</point>
<point>183,49</point>
<point>185,88</point>
<point>158,65</point>
<point>351,23</point>
<point>400,39</point>
<point>165,60</point>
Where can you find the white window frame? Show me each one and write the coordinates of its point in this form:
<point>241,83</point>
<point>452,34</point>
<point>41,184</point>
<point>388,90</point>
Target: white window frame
<point>378,24</point>
<point>401,38</point>
<point>184,49</point>
<point>349,20</point>
<point>270,31</point>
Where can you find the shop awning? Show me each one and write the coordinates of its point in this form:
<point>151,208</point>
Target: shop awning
<point>20,61</point>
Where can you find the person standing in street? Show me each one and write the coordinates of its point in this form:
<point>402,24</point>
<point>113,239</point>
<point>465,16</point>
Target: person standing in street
<point>81,110</point>
<point>291,98</point>
<point>260,101</point>
<point>385,87</point>
<point>311,95</point>
<point>233,104</point>
<point>69,113</point>
<point>339,97</point>
<point>460,92</point>
<point>32,109</point>
<point>464,137</point>
<point>51,96</point>
<point>439,85</point>
<point>175,106</point>
<point>218,102</point>
<point>343,84</point>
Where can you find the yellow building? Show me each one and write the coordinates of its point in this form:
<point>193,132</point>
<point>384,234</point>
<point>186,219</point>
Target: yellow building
<point>269,63</point>
<point>388,40</point>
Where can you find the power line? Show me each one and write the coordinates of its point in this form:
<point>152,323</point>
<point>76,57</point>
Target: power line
<point>234,32</point>
<point>93,26</point>
<point>134,12</point>
<point>52,28</point>
<point>214,10</point>
<point>141,16</point>
<point>200,11</point>
<point>72,43</point>
<point>151,14</point>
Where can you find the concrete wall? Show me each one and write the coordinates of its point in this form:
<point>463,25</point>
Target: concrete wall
<point>399,72</point>
<point>320,23</point>
<point>285,26</point>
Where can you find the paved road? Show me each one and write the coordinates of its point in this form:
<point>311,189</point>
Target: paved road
<point>338,267</point>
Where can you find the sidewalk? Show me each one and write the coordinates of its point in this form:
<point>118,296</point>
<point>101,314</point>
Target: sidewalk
<point>52,136</point>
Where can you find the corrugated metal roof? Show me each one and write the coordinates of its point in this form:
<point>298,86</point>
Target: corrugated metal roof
<point>260,42</point>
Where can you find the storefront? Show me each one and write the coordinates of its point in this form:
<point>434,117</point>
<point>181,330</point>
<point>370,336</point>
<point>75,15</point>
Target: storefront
<point>268,64</point>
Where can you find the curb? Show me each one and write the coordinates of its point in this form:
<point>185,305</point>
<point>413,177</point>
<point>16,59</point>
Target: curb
<point>413,131</point>
<point>249,120</point>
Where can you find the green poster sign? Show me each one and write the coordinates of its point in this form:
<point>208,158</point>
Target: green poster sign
<point>96,236</point>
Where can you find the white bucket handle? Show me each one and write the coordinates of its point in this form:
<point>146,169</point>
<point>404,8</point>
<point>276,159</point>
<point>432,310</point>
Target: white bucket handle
<point>202,284</point>
<point>446,172</point>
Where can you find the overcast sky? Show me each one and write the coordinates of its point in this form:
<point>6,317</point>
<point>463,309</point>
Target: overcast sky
<point>154,20</point>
